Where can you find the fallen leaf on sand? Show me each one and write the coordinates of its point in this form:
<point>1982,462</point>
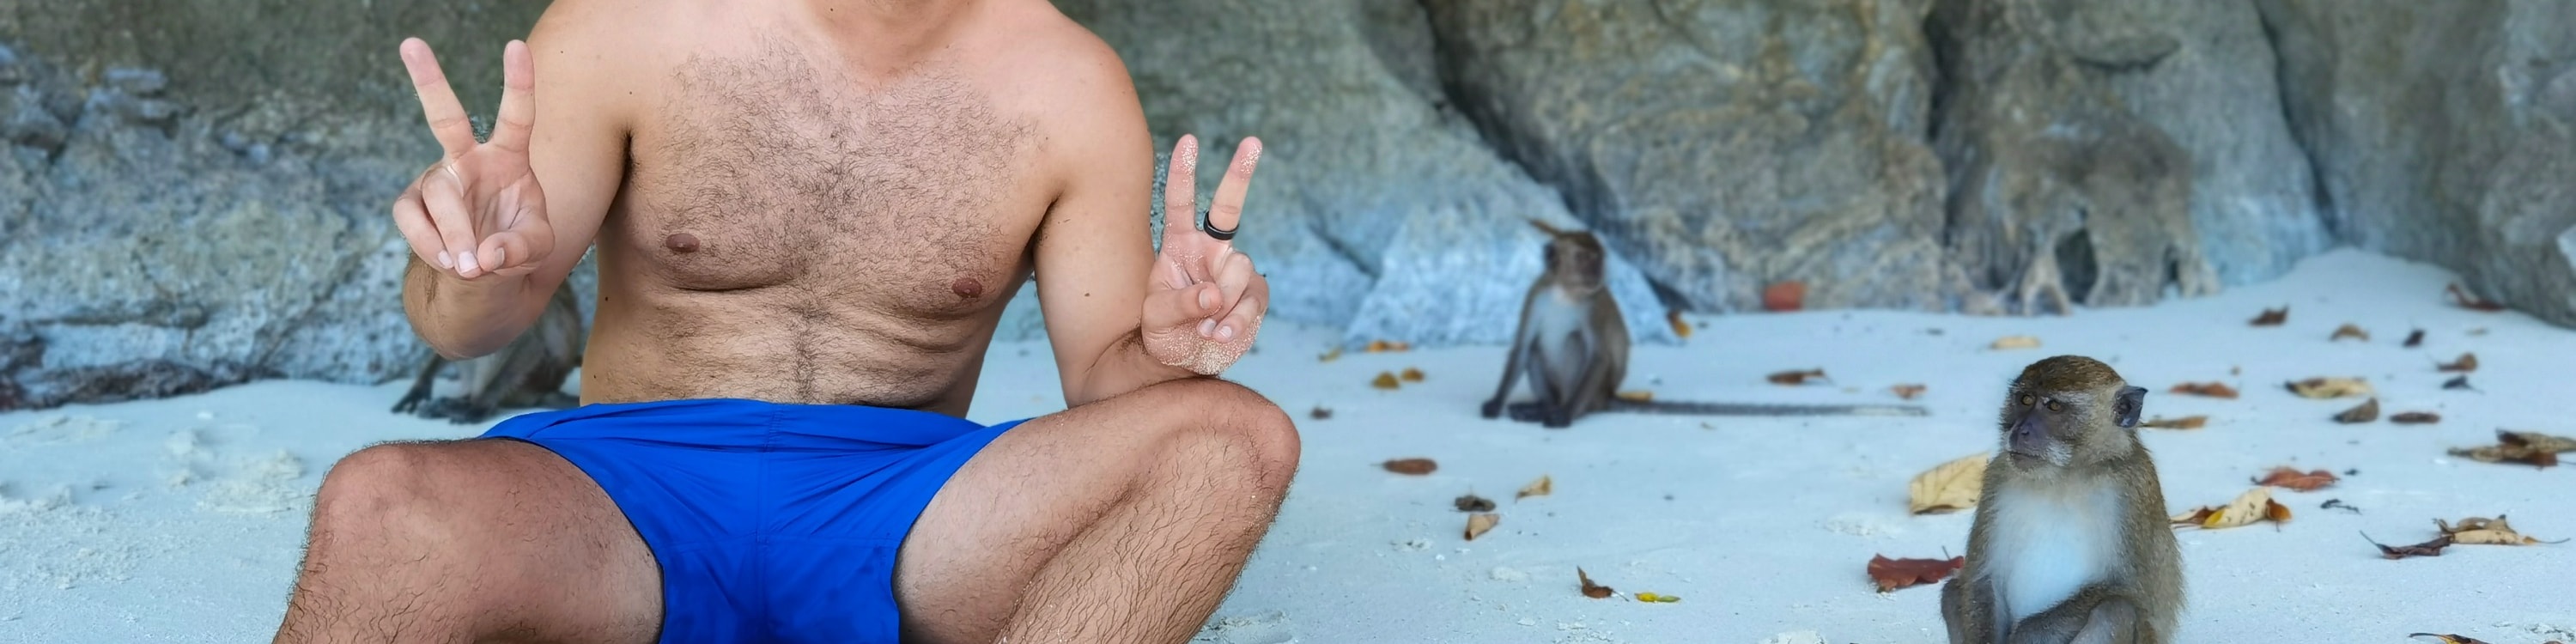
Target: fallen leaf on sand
<point>1907,391</point>
<point>1330,355</point>
<point>2426,549</point>
<point>2016,342</point>
<point>1477,524</point>
<point>1321,413</point>
<point>1636,395</point>
<point>1592,590</point>
<point>2485,531</point>
<point>1892,574</point>
<point>2449,639</point>
<point>2349,331</point>
<point>1412,466</point>
<point>2468,362</point>
<point>2210,389</point>
<point>2291,478</point>
<point>2471,301</point>
<point>2415,418</point>
<point>1657,598</point>
<point>1384,346</point>
<point>1473,503</point>
<point>1411,375</point>
<point>1785,296</point>
<point>2330,387</point>
<point>2461,382</point>
<point>2254,505</point>
<point>1681,327</point>
<point>1540,487</point>
<point>2186,422</point>
<point>1385,380</point>
<point>2415,339</point>
<point>2531,448</point>
<point>2272,317</point>
<point>1796,377</point>
<point>2367,411</point>
<point>1949,487</point>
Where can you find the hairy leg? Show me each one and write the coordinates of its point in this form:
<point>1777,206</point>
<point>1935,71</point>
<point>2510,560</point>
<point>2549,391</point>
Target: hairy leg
<point>1124,520</point>
<point>467,541</point>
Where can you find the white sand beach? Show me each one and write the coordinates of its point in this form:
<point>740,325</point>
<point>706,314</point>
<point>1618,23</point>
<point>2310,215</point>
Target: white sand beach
<point>181,520</point>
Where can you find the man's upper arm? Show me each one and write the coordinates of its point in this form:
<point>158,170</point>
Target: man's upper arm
<point>1095,247</point>
<point>578,146</point>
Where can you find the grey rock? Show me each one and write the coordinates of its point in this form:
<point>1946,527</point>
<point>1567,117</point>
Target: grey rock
<point>1721,145</point>
<point>2060,193</point>
<point>135,80</point>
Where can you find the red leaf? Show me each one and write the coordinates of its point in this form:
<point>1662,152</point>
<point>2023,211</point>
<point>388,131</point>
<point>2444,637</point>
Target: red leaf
<point>1785,296</point>
<point>1892,574</point>
<point>2290,478</point>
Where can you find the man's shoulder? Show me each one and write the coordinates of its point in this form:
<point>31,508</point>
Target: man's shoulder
<point>1062,59</point>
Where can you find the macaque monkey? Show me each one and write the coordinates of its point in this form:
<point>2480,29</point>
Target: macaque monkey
<point>2071,543</point>
<point>529,372</point>
<point>1573,346</point>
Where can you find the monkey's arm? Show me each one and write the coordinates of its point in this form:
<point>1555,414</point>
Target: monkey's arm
<point>2095,615</point>
<point>420,385</point>
<point>1512,359</point>
<point>1968,608</point>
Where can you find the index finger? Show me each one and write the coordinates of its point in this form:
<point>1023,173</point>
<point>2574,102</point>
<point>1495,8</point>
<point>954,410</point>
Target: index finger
<point>437,100</point>
<point>1225,212</point>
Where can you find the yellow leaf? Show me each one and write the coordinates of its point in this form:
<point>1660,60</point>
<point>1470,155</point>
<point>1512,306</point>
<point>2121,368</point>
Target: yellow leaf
<point>1637,395</point>
<point>2331,387</point>
<point>1478,524</point>
<point>1385,380</point>
<point>2016,342</point>
<point>1950,487</point>
<point>1540,487</point>
<point>2485,531</point>
<point>2252,506</point>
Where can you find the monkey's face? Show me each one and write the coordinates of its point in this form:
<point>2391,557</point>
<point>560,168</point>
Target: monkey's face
<point>2069,411</point>
<point>1576,259</point>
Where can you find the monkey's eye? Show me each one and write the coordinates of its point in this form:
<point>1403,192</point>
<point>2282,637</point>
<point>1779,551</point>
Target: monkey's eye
<point>2026,400</point>
<point>2052,406</point>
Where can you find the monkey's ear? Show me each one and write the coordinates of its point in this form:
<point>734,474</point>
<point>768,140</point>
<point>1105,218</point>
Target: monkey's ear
<point>2125,409</point>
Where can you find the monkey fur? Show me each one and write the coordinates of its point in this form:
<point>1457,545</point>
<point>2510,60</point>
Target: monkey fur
<point>529,372</point>
<point>1573,345</point>
<point>2071,543</point>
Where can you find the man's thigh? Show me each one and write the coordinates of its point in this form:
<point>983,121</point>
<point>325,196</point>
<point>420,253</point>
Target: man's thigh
<point>1007,512</point>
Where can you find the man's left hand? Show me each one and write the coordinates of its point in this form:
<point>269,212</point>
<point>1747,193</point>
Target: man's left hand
<point>1203,303</point>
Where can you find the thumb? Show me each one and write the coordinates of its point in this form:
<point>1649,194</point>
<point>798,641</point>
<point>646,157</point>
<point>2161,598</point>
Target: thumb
<point>1181,307</point>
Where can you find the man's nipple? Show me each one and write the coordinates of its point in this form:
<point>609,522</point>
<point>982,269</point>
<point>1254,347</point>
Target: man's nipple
<point>681,243</point>
<point>966,287</point>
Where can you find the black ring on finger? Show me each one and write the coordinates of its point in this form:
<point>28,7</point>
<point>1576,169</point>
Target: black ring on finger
<point>1221,234</point>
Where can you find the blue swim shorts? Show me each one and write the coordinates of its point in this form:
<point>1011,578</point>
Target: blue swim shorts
<point>771,522</point>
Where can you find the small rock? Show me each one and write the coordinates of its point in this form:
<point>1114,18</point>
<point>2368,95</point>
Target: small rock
<point>137,80</point>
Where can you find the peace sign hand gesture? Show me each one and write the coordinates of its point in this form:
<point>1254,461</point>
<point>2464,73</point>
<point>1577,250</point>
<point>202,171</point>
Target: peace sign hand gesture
<point>1204,303</point>
<point>478,211</point>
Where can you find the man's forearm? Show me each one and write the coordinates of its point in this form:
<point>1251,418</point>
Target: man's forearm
<point>466,319</point>
<point>1123,367</point>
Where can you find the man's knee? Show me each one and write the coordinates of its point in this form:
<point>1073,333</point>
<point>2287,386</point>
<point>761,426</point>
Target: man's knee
<point>1250,427</point>
<point>383,488</point>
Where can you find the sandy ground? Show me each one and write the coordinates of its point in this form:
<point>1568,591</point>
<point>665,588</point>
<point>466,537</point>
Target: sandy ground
<point>181,520</point>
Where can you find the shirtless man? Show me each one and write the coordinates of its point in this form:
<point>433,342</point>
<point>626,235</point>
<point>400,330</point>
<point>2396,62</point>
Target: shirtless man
<point>809,215</point>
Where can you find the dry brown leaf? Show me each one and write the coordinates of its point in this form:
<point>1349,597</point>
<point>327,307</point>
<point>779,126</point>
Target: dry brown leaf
<point>2291,478</point>
<point>2471,301</point>
<point>2252,506</point>
<point>1411,375</point>
<point>2468,362</point>
<point>1949,487</point>
<point>1681,328</point>
<point>1592,590</point>
<point>2415,339</point>
<point>1477,524</point>
<point>1892,574</point>
<point>2367,411</point>
<point>2272,317</point>
<point>2532,448</point>
<point>2349,331</point>
<point>2415,418</point>
<point>2426,549</point>
<point>1907,391</point>
<point>2485,531</point>
<point>1636,395</point>
<point>2210,389</point>
<point>2449,639</point>
<point>1785,296</point>
<point>2186,422</point>
<point>2330,387</point>
<point>1540,487</point>
<point>2461,382</point>
<point>1385,380</point>
<point>1472,503</point>
<point>1796,377</point>
<point>1321,413</point>
<point>1386,346</point>
<point>1412,466</point>
<point>2015,342</point>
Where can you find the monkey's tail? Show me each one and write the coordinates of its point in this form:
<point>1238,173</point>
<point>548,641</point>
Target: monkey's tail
<point>1754,409</point>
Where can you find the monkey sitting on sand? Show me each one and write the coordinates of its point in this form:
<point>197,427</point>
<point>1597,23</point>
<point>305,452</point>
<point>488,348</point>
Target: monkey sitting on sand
<point>529,372</point>
<point>1573,345</point>
<point>2070,543</point>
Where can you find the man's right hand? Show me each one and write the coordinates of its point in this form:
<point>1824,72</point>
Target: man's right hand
<point>477,211</point>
